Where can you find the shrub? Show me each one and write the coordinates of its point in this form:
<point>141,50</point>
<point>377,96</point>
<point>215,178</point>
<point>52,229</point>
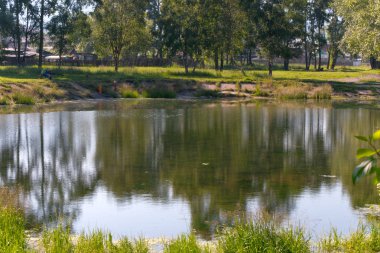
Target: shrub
<point>128,92</point>
<point>159,92</point>
<point>207,93</point>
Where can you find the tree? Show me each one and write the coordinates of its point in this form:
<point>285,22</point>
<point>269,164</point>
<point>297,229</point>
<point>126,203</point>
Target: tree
<point>156,29</point>
<point>117,26</point>
<point>362,21</point>
<point>58,30</point>
<point>6,20</point>
<point>335,32</point>
<point>181,29</point>
<point>294,25</point>
<point>223,29</point>
<point>271,30</point>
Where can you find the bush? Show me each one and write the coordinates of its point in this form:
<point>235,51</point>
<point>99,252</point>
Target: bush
<point>207,93</point>
<point>128,92</point>
<point>159,92</point>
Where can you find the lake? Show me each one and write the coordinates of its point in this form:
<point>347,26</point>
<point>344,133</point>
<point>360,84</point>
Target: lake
<point>157,168</point>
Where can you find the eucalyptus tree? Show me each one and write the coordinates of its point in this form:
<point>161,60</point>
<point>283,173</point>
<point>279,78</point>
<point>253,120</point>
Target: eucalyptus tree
<point>154,12</point>
<point>6,20</point>
<point>181,29</point>
<point>362,22</point>
<point>118,26</point>
<point>335,32</point>
<point>224,26</point>
<point>58,29</point>
<point>293,22</point>
<point>272,30</point>
<point>321,16</point>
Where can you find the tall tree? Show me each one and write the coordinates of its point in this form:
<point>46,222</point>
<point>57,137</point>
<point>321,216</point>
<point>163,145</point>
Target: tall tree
<point>271,30</point>
<point>181,29</point>
<point>335,32</point>
<point>118,25</point>
<point>362,21</point>
<point>58,29</point>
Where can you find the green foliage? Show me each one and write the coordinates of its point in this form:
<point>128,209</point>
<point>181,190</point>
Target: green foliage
<point>159,92</point>
<point>369,157</point>
<point>128,92</point>
<point>362,33</point>
<point>262,236</point>
<point>207,93</point>
<point>12,231</point>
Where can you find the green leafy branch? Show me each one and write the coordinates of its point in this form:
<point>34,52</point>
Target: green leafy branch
<point>369,157</point>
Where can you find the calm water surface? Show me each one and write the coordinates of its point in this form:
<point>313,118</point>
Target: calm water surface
<point>162,168</point>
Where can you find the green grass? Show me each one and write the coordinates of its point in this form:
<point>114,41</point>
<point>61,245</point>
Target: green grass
<point>263,236</point>
<point>364,239</point>
<point>185,244</point>
<point>12,231</point>
<point>96,75</point>
<point>23,99</point>
<point>82,82</point>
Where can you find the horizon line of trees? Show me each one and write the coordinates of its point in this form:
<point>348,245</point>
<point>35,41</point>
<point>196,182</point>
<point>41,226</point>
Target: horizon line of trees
<point>197,30</point>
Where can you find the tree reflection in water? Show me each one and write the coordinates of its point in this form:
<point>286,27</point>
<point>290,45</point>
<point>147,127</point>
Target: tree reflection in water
<point>219,157</point>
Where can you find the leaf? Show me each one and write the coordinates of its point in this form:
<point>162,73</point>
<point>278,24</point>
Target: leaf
<point>361,170</point>
<point>376,135</point>
<point>364,152</point>
<point>362,138</point>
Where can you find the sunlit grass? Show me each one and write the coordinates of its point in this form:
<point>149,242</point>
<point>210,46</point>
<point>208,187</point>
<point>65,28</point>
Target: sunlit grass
<point>263,236</point>
<point>105,74</point>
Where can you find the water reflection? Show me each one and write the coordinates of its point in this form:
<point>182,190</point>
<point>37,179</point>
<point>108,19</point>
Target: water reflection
<point>123,165</point>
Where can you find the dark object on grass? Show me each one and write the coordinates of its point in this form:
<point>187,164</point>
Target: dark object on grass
<point>47,74</point>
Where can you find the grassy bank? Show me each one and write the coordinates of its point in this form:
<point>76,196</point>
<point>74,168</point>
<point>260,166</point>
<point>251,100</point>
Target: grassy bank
<point>259,235</point>
<point>24,85</point>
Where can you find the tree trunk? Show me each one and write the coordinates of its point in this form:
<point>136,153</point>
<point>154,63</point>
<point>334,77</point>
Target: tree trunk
<point>373,62</point>
<point>333,63</point>
<point>286,64</point>
<point>41,39</point>
<point>221,61</point>
<point>18,32</point>
<point>216,59</point>
<point>329,60</point>
<point>250,57</point>
<point>116,62</point>
<point>185,62</point>
<point>270,67</point>
<point>319,48</point>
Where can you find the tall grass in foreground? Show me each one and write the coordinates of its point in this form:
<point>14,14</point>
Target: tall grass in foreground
<point>263,236</point>
<point>185,244</point>
<point>12,231</point>
<point>364,239</point>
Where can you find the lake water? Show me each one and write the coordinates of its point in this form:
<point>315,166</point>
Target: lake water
<point>157,168</point>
